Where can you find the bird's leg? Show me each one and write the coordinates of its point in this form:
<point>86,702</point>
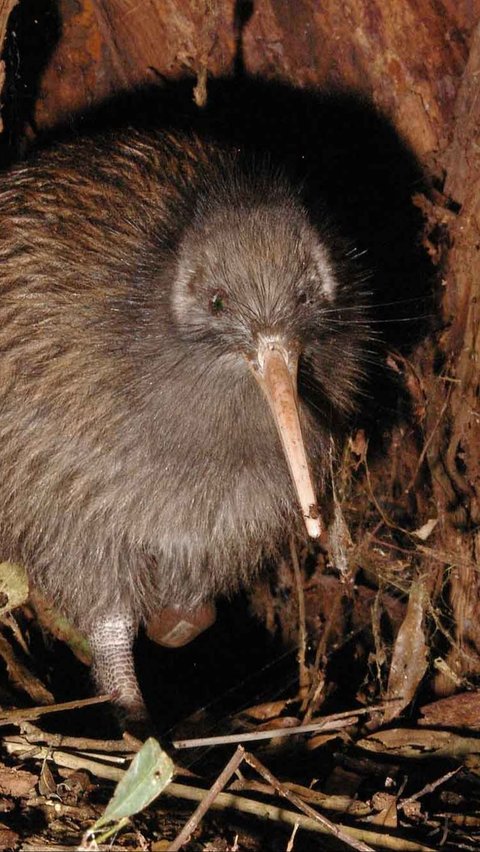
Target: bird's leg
<point>111,641</point>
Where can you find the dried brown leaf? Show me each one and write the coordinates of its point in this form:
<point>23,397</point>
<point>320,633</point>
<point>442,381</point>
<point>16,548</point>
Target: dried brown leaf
<point>8,838</point>
<point>456,711</point>
<point>279,722</point>
<point>21,677</point>
<point>426,529</point>
<point>386,806</point>
<point>409,660</point>
<point>16,782</point>
<point>420,744</point>
<point>46,784</point>
<point>269,710</point>
<point>59,627</point>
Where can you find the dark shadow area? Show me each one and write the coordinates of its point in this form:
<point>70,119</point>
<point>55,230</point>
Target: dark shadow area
<point>235,664</point>
<point>34,29</point>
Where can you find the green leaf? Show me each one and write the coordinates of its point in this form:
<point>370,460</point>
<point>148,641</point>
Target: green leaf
<point>148,774</point>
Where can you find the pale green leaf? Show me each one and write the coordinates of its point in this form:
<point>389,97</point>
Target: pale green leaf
<point>148,774</point>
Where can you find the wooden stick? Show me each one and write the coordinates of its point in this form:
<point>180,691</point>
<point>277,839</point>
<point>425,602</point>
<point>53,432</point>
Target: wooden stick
<point>64,758</point>
<point>326,723</point>
<point>331,827</point>
<point>273,733</point>
<point>207,801</point>
<point>13,717</point>
<point>32,734</point>
<point>429,788</point>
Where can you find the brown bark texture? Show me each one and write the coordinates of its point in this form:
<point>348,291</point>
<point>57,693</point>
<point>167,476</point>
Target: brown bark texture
<point>418,62</point>
<point>407,57</point>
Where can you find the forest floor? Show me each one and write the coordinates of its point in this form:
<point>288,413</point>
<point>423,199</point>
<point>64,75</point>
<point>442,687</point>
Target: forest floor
<point>348,657</point>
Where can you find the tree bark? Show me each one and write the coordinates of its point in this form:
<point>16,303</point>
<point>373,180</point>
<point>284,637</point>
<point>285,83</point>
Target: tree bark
<point>454,456</point>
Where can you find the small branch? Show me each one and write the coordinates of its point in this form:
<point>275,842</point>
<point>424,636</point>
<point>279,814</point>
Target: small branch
<point>120,759</point>
<point>340,803</point>
<point>331,827</point>
<point>32,734</point>
<point>429,440</point>
<point>206,803</point>
<point>64,758</point>
<point>274,733</point>
<point>336,721</point>
<point>14,717</point>
<point>429,788</point>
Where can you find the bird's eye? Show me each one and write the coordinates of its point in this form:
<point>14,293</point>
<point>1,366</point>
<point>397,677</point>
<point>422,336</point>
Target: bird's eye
<point>302,298</point>
<point>217,302</point>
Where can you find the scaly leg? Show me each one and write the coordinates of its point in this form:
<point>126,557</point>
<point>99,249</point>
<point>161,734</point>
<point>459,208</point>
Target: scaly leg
<point>111,642</point>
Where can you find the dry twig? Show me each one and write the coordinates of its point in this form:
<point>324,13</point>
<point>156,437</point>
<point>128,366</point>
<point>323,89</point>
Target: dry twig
<point>14,717</point>
<point>336,830</point>
<point>206,802</point>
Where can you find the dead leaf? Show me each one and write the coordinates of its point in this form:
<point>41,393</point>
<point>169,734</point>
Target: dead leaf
<point>59,627</point>
<point>320,740</point>
<point>16,782</point>
<point>269,710</point>
<point>409,660</point>
<point>46,785</point>
<point>341,543</point>
<point>21,677</point>
<point>74,785</point>
<point>175,627</point>
<point>279,722</point>
<point>420,744</point>
<point>426,530</point>
<point>456,711</point>
<point>342,782</point>
<point>386,806</point>
<point>8,838</point>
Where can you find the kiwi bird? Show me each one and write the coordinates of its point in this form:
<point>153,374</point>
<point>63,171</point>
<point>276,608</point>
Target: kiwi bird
<point>181,343</point>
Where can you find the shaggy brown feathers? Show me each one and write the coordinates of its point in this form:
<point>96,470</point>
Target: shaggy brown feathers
<point>139,464</point>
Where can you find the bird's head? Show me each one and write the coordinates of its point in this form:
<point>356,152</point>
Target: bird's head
<point>257,281</point>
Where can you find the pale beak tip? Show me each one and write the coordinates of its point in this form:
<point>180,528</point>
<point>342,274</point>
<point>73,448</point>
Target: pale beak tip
<point>313,522</point>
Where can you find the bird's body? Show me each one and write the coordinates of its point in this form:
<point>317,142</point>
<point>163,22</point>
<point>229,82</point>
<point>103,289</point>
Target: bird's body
<point>140,464</point>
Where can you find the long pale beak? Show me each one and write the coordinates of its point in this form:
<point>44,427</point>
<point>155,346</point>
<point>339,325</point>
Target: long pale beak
<point>276,373</point>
